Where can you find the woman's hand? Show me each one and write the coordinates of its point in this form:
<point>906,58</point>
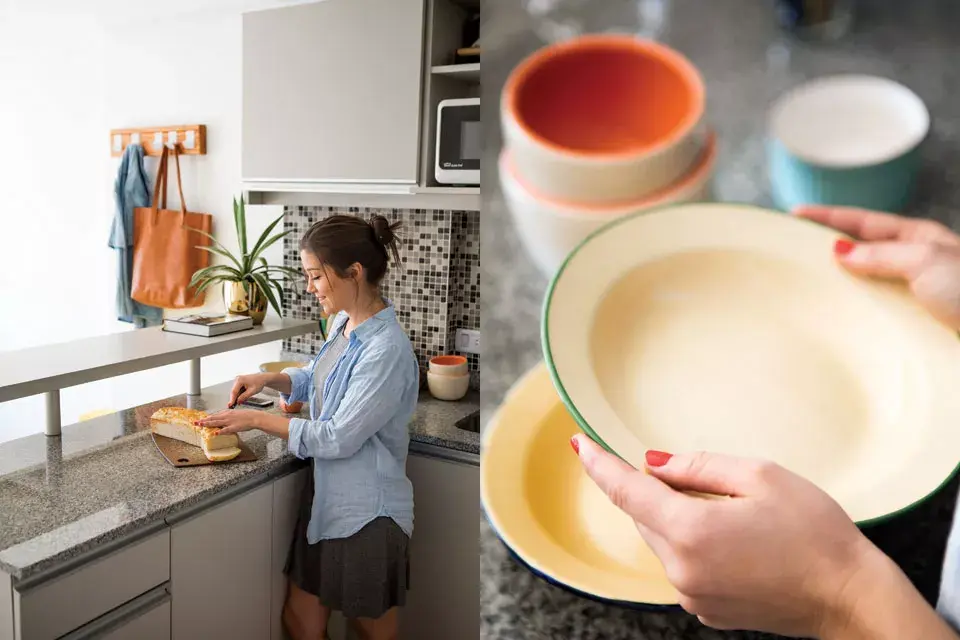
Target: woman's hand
<point>924,253</point>
<point>245,387</point>
<point>233,420</point>
<point>777,555</point>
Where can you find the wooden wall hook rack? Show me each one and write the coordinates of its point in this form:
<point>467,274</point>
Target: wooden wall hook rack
<point>192,139</point>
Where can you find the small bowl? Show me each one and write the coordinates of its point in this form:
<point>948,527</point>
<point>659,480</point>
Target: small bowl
<point>731,328</point>
<point>603,118</point>
<point>443,387</point>
<point>551,515</point>
<point>550,228</point>
<point>448,365</point>
<point>849,140</point>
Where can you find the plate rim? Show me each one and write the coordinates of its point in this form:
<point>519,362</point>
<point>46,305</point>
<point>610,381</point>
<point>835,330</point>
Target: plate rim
<point>582,423</point>
<point>536,376</point>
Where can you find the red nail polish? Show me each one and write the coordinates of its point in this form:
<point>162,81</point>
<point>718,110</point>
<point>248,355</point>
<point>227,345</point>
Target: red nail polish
<point>575,445</point>
<point>843,246</point>
<point>657,458</point>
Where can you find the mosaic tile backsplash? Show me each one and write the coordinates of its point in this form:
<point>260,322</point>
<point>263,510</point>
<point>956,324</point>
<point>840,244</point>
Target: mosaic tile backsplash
<point>436,292</point>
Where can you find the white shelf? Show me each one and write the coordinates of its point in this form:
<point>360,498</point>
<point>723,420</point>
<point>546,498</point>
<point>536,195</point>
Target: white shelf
<point>469,72</point>
<point>52,367</point>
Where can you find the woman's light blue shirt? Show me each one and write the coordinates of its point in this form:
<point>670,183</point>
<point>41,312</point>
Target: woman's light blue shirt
<point>359,441</point>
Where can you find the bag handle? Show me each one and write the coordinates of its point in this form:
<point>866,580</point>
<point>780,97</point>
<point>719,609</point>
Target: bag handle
<point>183,204</point>
<point>160,186</point>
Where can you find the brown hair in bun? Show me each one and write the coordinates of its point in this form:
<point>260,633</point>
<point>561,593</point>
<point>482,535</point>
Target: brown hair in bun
<point>340,241</point>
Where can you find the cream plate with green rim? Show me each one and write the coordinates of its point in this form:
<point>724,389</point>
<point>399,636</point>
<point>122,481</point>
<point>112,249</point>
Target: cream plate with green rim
<point>731,328</point>
<point>545,508</point>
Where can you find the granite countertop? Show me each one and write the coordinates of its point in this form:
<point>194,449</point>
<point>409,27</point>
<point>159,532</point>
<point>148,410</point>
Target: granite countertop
<point>104,478</point>
<point>746,61</point>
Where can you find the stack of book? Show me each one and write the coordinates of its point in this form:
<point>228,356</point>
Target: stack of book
<point>208,324</point>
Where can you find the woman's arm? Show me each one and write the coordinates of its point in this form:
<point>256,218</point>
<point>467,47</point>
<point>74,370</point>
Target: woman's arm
<point>880,603</point>
<point>293,383</point>
<point>375,387</point>
<point>279,381</point>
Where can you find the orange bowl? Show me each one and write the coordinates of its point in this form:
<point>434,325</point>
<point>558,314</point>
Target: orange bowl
<point>603,117</point>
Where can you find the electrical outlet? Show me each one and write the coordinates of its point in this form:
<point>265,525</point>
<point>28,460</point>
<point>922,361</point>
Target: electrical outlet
<point>468,340</point>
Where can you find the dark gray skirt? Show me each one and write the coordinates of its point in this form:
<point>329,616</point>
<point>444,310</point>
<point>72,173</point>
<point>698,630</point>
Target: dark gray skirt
<point>362,576</point>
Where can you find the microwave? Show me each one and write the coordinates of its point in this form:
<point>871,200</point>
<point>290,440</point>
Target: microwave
<point>458,142</point>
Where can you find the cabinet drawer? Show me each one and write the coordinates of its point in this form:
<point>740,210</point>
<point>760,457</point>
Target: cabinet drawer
<point>144,618</point>
<point>51,609</point>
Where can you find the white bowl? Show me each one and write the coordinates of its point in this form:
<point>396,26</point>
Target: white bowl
<point>730,328</point>
<point>550,229</point>
<point>603,118</point>
<point>443,387</point>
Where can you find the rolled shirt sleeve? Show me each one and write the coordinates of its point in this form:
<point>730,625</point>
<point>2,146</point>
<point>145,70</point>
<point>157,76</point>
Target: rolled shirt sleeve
<point>301,378</point>
<point>375,385</point>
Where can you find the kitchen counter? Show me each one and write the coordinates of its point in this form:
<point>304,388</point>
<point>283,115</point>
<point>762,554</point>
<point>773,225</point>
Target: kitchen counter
<point>746,61</point>
<point>103,479</point>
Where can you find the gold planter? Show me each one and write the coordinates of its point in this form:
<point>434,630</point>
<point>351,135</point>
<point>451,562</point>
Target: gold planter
<point>245,299</point>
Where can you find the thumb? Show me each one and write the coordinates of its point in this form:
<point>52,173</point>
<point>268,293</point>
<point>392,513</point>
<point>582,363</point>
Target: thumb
<point>885,259</point>
<point>640,496</point>
<point>702,472</point>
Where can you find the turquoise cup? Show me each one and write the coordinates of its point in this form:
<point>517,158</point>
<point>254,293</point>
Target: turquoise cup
<point>848,140</point>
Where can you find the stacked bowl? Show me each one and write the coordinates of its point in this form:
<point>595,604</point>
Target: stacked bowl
<point>595,128</point>
<point>448,377</point>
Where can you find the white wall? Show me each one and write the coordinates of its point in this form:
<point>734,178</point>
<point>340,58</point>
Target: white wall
<point>66,79</point>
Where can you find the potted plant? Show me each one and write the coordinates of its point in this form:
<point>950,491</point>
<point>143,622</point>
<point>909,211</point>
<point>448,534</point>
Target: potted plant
<point>249,282</point>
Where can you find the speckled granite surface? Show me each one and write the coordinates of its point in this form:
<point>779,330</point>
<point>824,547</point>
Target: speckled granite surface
<point>746,61</point>
<point>105,478</point>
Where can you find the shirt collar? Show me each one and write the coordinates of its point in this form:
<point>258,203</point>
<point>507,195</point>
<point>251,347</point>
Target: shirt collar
<point>371,325</point>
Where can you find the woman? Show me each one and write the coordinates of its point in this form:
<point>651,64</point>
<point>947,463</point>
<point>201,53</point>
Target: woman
<point>804,569</point>
<point>349,552</point>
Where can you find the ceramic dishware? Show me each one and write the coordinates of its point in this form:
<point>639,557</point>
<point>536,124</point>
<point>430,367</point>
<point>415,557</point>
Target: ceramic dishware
<point>550,228</point>
<point>732,328</point>
<point>446,387</point>
<point>603,118</point>
<point>550,514</point>
<point>448,365</point>
<point>849,140</point>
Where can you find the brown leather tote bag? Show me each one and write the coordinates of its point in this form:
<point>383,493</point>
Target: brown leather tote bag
<point>165,253</point>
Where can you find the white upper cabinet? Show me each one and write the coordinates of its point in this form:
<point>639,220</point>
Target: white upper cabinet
<point>332,93</point>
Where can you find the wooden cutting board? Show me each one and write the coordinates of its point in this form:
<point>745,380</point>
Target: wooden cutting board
<point>181,454</point>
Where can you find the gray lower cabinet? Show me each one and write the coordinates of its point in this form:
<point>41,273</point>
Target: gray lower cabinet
<point>65,603</point>
<point>286,500</point>
<point>444,597</point>
<point>220,570</point>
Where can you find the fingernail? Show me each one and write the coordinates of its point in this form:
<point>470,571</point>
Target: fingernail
<point>657,458</point>
<point>843,246</point>
<point>575,445</point>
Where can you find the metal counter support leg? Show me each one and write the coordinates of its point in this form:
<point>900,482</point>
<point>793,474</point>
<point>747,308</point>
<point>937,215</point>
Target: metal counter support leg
<point>53,412</point>
<point>194,377</point>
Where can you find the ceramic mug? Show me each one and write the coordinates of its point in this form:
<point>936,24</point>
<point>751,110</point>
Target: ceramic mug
<point>850,140</point>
